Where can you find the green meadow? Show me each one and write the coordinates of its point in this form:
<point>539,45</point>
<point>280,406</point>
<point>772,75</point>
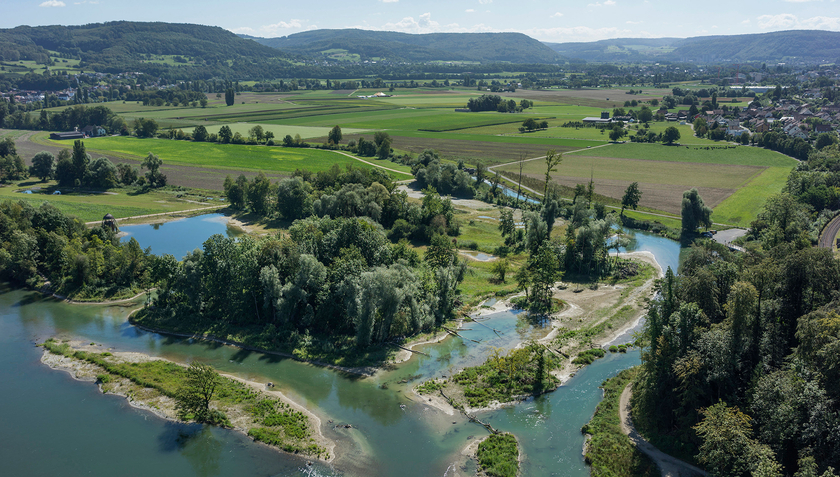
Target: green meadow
<point>231,156</point>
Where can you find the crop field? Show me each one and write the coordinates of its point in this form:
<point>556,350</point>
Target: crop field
<point>596,98</point>
<point>733,181</point>
<point>435,120</point>
<point>230,156</point>
<point>306,132</point>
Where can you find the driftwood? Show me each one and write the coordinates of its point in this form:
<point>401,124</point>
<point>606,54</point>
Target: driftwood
<point>411,350</point>
<point>493,329</point>
<point>458,335</point>
<point>469,416</point>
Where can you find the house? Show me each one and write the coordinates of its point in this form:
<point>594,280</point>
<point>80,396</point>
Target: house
<point>761,126</point>
<point>822,128</point>
<point>93,131</point>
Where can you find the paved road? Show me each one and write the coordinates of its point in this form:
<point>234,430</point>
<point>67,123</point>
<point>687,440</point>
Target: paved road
<point>830,233</point>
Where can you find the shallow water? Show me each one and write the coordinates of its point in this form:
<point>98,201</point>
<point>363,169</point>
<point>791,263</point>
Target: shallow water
<point>179,237</point>
<point>51,421</point>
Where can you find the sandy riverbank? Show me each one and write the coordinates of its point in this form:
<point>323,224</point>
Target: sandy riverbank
<point>163,406</point>
<point>582,310</point>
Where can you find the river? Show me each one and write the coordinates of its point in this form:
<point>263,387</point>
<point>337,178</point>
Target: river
<point>54,424</point>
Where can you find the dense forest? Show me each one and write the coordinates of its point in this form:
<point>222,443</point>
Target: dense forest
<point>396,46</point>
<point>741,364</point>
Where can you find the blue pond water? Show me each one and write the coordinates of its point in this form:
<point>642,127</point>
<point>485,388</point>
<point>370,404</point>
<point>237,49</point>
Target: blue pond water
<point>179,237</point>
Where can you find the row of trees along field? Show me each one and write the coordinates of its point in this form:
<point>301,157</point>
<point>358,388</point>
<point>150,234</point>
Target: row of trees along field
<point>742,364</point>
<point>75,168</point>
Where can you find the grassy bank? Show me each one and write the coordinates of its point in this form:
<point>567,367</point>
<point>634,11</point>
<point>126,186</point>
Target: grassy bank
<point>498,455</point>
<point>502,378</point>
<point>609,451</point>
<point>268,420</point>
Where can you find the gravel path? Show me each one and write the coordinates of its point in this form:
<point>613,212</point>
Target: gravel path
<point>668,465</point>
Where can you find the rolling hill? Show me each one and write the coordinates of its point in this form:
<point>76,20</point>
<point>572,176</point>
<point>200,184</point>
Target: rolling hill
<point>135,46</point>
<point>797,46</point>
<point>394,46</point>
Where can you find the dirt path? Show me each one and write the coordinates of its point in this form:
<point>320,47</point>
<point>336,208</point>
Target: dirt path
<point>371,164</point>
<point>188,211</point>
<point>668,465</point>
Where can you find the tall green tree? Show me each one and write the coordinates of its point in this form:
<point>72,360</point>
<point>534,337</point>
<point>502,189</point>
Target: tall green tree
<point>334,136</point>
<point>552,160</point>
<point>197,391</point>
<point>225,134</point>
<point>154,177</point>
<point>43,166</point>
<point>671,134</point>
<point>230,96</point>
<point>631,198</point>
<point>695,213</point>
<point>80,159</point>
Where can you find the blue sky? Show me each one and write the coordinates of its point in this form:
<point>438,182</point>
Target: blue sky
<point>559,21</point>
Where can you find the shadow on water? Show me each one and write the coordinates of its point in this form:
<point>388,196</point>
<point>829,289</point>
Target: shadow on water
<point>196,443</point>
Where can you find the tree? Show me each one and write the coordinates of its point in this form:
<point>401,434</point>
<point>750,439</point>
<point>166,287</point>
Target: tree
<point>145,127</point>
<point>334,136</point>
<point>825,139</point>
<point>43,166</point>
<point>7,147</point>
<point>671,134</point>
<point>552,160</point>
<point>230,96</point>
<point>80,160</point>
<point>500,268</point>
<point>194,396</point>
<point>203,102</point>
<point>631,197</point>
<point>200,133</point>
<point>507,226</point>
<point>257,133</point>
<point>616,133</point>
<point>225,134</point>
<point>530,124</point>
<point>380,136</point>
<point>645,115</point>
<point>384,149</point>
<point>694,212</point>
<point>126,173</point>
<point>154,177</point>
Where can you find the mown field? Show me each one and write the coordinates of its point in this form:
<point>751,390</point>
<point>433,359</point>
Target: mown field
<point>734,181</point>
<point>230,156</point>
<point>92,206</point>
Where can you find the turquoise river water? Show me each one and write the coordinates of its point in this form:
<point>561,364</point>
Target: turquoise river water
<point>51,424</point>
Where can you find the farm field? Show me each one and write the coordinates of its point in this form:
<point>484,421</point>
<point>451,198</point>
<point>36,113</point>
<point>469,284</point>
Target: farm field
<point>733,181</point>
<point>306,132</point>
<point>230,156</point>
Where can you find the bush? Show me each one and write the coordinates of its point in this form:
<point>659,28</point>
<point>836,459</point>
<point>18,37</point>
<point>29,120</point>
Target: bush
<point>498,455</point>
<point>588,356</point>
<point>613,349</point>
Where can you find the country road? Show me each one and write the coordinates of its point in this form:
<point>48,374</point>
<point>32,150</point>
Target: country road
<point>830,233</point>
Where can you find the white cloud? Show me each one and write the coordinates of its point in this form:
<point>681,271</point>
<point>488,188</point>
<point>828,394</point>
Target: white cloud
<point>277,29</point>
<point>424,24</point>
<point>785,21</point>
<point>53,3</point>
<point>631,22</point>
<point>582,33</point>
<point>608,3</point>
<point>485,2</point>
<point>470,10</point>
<point>746,22</point>
<point>389,1</point>
<point>802,1</point>
<point>557,15</point>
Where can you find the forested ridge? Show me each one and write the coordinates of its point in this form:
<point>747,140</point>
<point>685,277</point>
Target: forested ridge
<point>741,368</point>
<point>485,47</point>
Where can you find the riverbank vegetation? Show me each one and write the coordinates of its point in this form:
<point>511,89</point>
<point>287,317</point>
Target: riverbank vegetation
<point>498,455</point>
<point>608,451</point>
<point>162,385</point>
<point>503,378</point>
<point>739,370</point>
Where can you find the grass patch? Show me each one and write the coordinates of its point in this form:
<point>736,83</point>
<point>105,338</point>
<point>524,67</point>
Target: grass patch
<point>609,452</point>
<point>235,157</point>
<point>522,372</point>
<point>277,423</point>
<point>498,455</point>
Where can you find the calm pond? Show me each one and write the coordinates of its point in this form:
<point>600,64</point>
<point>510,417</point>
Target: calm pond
<point>52,422</point>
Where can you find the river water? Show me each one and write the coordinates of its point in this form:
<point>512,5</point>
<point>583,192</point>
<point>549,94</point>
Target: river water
<point>51,424</point>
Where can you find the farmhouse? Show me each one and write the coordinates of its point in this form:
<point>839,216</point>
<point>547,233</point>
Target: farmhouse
<point>604,119</point>
<point>68,135</point>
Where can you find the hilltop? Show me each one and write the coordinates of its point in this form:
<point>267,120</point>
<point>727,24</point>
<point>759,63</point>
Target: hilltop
<point>796,46</point>
<point>354,44</point>
<point>153,47</point>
